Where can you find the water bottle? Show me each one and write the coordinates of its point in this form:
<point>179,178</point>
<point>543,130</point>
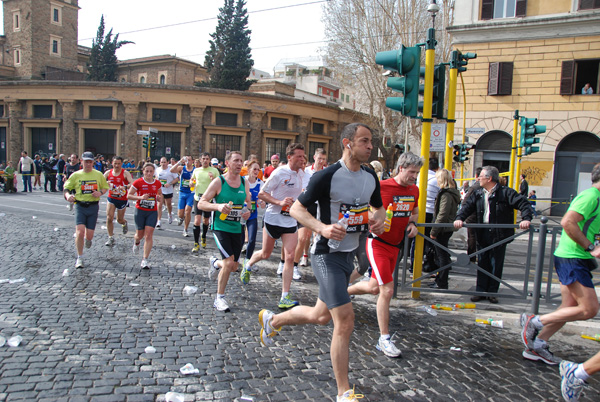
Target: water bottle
<point>334,244</point>
<point>389,214</point>
<point>244,210</point>
<point>441,307</point>
<point>224,216</point>
<point>465,305</point>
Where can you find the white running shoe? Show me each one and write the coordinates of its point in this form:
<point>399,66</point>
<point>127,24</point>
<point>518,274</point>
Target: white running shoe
<point>110,242</point>
<point>185,233</point>
<point>158,225</point>
<point>267,332</point>
<point>145,264</point>
<point>136,248</point>
<point>280,268</point>
<point>221,304</point>
<point>170,219</point>
<point>297,276</point>
<point>79,263</point>
<point>303,261</point>
<point>180,222</point>
<point>349,396</point>
<point>388,348</point>
<point>213,269</point>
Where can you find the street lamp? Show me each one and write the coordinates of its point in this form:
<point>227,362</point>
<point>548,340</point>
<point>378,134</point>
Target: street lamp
<point>433,8</point>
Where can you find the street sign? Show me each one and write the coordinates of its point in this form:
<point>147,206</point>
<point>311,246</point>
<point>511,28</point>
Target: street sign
<point>143,132</point>
<point>475,130</point>
<point>168,150</point>
<point>153,130</point>
<point>438,138</point>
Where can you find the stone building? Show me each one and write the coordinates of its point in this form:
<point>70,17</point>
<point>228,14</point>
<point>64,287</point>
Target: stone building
<point>533,56</point>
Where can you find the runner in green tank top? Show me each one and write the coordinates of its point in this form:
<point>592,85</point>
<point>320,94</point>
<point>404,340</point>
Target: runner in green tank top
<point>227,229</point>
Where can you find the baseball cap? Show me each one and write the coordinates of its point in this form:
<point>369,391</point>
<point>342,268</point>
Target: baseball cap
<point>275,157</point>
<point>214,161</point>
<point>87,156</point>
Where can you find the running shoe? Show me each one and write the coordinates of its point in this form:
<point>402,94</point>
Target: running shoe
<point>245,274</point>
<point>287,302</point>
<point>221,304</point>
<point>388,348</point>
<point>185,233</point>
<point>267,332</point>
<point>145,264</point>
<point>529,331</point>
<point>213,270</point>
<point>196,248</point>
<point>303,261</point>
<point>570,386</point>
<point>297,276</point>
<point>349,396</point>
<point>88,243</point>
<point>180,221</point>
<point>110,242</point>
<point>203,242</point>
<point>170,219</point>
<point>79,263</point>
<point>280,268</point>
<point>125,228</point>
<point>542,354</point>
<point>158,225</point>
<point>136,248</point>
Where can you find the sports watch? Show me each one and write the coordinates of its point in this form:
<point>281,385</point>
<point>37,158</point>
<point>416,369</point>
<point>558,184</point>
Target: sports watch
<point>591,247</point>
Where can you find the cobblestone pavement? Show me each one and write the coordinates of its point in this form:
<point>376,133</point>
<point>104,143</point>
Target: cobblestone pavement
<point>84,335</point>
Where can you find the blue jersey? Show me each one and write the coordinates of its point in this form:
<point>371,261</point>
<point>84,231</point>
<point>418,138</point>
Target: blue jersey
<point>254,190</point>
<point>186,176</point>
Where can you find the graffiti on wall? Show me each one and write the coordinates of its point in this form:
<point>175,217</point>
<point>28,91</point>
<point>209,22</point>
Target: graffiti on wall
<point>537,173</point>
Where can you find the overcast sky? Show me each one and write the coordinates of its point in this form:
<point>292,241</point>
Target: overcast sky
<point>286,28</point>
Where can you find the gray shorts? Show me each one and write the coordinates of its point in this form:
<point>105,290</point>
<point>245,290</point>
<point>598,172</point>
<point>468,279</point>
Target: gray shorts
<point>87,216</point>
<point>145,218</point>
<point>333,274</point>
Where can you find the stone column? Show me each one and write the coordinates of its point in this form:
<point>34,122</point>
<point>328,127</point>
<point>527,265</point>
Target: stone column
<point>133,144</point>
<point>303,128</point>
<point>197,136</point>
<point>15,138</point>
<point>254,139</point>
<point>69,138</point>
<point>335,150</point>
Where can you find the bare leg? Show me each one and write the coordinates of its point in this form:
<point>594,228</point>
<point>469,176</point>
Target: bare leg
<point>148,232</point>
<point>110,216</point>
<point>289,240</point>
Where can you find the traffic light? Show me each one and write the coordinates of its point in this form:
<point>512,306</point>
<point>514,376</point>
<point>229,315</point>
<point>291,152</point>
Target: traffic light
<point>461,152</point>
<point>456,152</point>
<point>153,142</point>
<point>406,61</point>
<point>145,141</point>
<point>439,91</point>
<point>459,60</point>
<point>528,135</point>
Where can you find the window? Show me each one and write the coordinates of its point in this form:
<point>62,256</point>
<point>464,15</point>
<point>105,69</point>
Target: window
<point>142,80</point>
<point>164,115</point>
<point>500,78</point>
<point>16,21</point>
<point>277,146</point>
<point>101,112</point>
<point>347,98</point>
<point>163,79</point>
<point>278,123</point>
<point>226,119</point>
<point>318,128</point>
<point>575,74</point>
<point>1,110</point>
<point>17,56</point>
<point>56,15</point>
<point>221,145</point>
<point>589,4</point>
<point>55,45</point>
<point>42,111</point>
<point>313,146</point>
<point>503,9</point>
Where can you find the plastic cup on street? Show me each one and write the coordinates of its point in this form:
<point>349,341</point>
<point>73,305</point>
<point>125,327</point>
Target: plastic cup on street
<point>189,369</point>
<point>189,290</point>
<point>173,247</point>
<point>15,341</point>
<point>150,349</point>
<point>65,272</point>
<point>174,397</point>
<point>2,341</point>
<point>34,217</point>
<point>56,229</point>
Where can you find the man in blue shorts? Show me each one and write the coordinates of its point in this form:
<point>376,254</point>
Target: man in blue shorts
<point>345,186</point>
<point>185,168</point>
<point>574,259</point>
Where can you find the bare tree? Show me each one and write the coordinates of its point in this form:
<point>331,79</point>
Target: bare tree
<point>356,31</point>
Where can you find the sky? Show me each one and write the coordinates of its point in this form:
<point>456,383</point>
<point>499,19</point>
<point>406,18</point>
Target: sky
<point>280,28</point>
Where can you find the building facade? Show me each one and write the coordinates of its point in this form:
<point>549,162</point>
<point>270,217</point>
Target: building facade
<point>533,56</point>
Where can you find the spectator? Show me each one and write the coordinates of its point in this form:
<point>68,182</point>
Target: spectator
<point>61,171</point>
<point>9,177</point>
<point>26,168</point>
<point>587,89</point>
<point>533,202</point>
<point>524,186</point>
<point>37,161</point>
<point>274,165</point>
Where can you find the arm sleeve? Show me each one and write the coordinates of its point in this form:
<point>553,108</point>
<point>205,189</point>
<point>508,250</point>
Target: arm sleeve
<point>467,208</point>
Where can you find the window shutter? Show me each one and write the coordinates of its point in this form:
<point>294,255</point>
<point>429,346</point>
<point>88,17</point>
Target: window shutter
<point>589,4</point>
<point>521,10</point>
<point>487,9</point>
<point>500,78</point>
<point>493,79</point>
<point>567,76</point>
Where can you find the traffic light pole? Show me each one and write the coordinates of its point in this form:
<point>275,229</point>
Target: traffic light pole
<point>452,84</point>
<point>513,152</point>
<point>425,140</point>
<point>518,165</point>
<point>148,149</point>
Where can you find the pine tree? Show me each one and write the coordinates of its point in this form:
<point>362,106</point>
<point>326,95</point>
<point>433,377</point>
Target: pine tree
<point>229,59</point>
<point>102,65</point>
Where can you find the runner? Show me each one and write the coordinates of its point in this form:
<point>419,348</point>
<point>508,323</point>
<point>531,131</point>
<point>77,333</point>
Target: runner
<point>574,259</point>
<point>202,177</point>
<point>254,184</point>
<point>280,191</point>
<point>382,250</point>
<point>339,188</point>
<point>230,187</point>
<point>185,168</point>
<point>118,180</point>
<point>84,188</point>
<point>148,190</point>
<point>167,180</point>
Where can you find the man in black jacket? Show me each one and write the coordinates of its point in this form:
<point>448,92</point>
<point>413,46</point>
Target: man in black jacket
<point>493,203</point>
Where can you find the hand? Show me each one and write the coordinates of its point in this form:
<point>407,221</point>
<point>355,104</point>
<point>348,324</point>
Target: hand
<point>262,204</point>
<point>224,209</point>
<point>334,232</point>
<point>596,252</point>
<point>71,198</point>
<point>287,201</point>
<point>210,176</point>
<point>145,197</point>
<point>376,226</point>
<point>167,185</point>
<point>96,194</point>
<point>246,215</point>
<point>458,224</point>
<point>413,230</point>
<point>524,224</point>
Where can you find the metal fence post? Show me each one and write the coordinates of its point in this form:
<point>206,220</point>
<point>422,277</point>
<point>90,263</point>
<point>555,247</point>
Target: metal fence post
<point>539,266</point>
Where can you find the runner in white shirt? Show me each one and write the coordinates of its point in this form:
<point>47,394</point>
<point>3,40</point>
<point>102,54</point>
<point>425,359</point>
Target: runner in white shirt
<point>280,191</point>
<point>168,180</point>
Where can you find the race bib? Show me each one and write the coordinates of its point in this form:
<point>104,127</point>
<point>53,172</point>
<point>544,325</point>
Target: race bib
<point>359,217</point>
<point>403,205</point>
<point>163,182</point>
<point>235,215</point>
<point>252,206</point>
<point>285,211</point>
<point>89,186</point>
<point>148,204</point>
<point>185,183</point>
<point>597,239</point>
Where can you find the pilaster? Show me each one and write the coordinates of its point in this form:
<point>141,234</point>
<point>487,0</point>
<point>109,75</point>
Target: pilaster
<point>68,138</point>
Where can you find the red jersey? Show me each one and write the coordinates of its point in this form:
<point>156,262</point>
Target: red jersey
<point>117,181</point>
<point>143,187</point>
<point>268,170</point>
<point>403,199</point>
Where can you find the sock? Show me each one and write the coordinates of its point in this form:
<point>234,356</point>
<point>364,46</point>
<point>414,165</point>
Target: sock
<point>305,255</point>
<point>385,337</point>
<point>536,322</point>
<point>539,343</point>
<point>110,237</point>
<point>196,233</point>
<point>284,294</point>
<point>204,230</point>
<point>282,261</point>
<point>295,265</point>
<point>80,256</point>
<point>220,296</point>
<point>581,373</point>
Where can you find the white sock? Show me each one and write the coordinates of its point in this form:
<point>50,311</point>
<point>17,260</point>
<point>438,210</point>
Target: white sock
<point>220,296</point>
<point>385,337</point>
<point>284,294</point>
<point>581,373</point>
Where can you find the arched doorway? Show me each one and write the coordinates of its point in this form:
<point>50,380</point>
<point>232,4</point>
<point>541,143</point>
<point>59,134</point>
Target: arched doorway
<point>575,157</point>
<point>493,149</point>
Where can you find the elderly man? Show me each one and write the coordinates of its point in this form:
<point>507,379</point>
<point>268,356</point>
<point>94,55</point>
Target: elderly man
<point>493,204</point>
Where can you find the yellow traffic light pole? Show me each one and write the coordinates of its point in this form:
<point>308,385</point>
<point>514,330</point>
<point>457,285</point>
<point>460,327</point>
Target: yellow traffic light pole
<point>519,151</point>
<point>513,152</point>
<point>425,140</point>
<point>452,83</point>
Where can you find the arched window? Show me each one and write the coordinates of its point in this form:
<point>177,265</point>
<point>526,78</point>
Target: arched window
<point>142,80</point>
<point>163,79</point>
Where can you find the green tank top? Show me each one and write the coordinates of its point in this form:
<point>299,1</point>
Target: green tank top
<point>231,223</point>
